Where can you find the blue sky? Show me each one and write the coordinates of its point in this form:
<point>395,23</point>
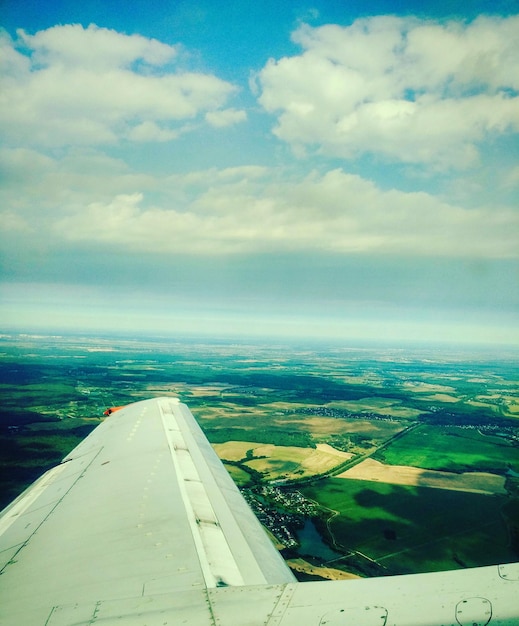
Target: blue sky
<point>340,170</point>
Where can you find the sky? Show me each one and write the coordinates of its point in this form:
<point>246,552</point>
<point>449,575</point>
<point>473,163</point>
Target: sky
<point>323,169</point>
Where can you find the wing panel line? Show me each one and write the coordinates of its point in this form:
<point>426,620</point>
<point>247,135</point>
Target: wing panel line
<point>47,479</point>
<point>24,502</point>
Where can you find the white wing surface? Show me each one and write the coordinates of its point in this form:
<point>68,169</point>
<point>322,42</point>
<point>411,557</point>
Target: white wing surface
<point>142,525</point>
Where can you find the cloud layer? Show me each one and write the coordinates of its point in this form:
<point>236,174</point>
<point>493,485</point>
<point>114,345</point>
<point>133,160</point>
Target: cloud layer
<point>404,89</point>
<point>400,88</point>
<point>90,199</point>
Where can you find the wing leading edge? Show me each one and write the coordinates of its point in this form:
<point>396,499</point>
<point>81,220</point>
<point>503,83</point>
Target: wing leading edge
<point>141,524</point>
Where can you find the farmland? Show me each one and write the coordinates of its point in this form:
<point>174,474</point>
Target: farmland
<point>282,462</point>
<point>382,460</point>
<point>475,482</point>
<point>386,528</point>
<point>454,449</point>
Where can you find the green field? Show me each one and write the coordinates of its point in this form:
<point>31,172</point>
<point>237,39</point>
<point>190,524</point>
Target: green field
<point>451,449</point>
<point>414,529</point>
<point>239,476</point>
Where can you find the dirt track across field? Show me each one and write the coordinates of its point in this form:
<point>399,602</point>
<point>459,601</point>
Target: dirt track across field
<point>475,482</point>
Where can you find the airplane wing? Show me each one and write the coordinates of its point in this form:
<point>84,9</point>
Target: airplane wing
<point>142,525</point>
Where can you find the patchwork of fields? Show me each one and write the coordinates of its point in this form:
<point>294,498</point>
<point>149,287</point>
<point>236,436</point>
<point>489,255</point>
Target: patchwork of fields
<point>409,458</point>
<point>282,462</point>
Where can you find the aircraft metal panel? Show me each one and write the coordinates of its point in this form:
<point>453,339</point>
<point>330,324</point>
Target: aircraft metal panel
<point>246,606</point>
<point>189,607</point>
<point>72,614</point>
<point>410,600</point>
<point>509,571</point>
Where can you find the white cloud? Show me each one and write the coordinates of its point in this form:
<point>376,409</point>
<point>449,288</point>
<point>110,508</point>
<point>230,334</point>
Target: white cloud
<point>93,47</point>
<point>226,117</point>
<point>511,178</point>
<point>12,222</point>
<point>150,131</point>
<point>74,86</point>
<point>39,189</point>
<point>409,90</point>
<point>259,211</point>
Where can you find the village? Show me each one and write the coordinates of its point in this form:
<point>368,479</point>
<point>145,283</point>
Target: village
<point>280,511</point>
